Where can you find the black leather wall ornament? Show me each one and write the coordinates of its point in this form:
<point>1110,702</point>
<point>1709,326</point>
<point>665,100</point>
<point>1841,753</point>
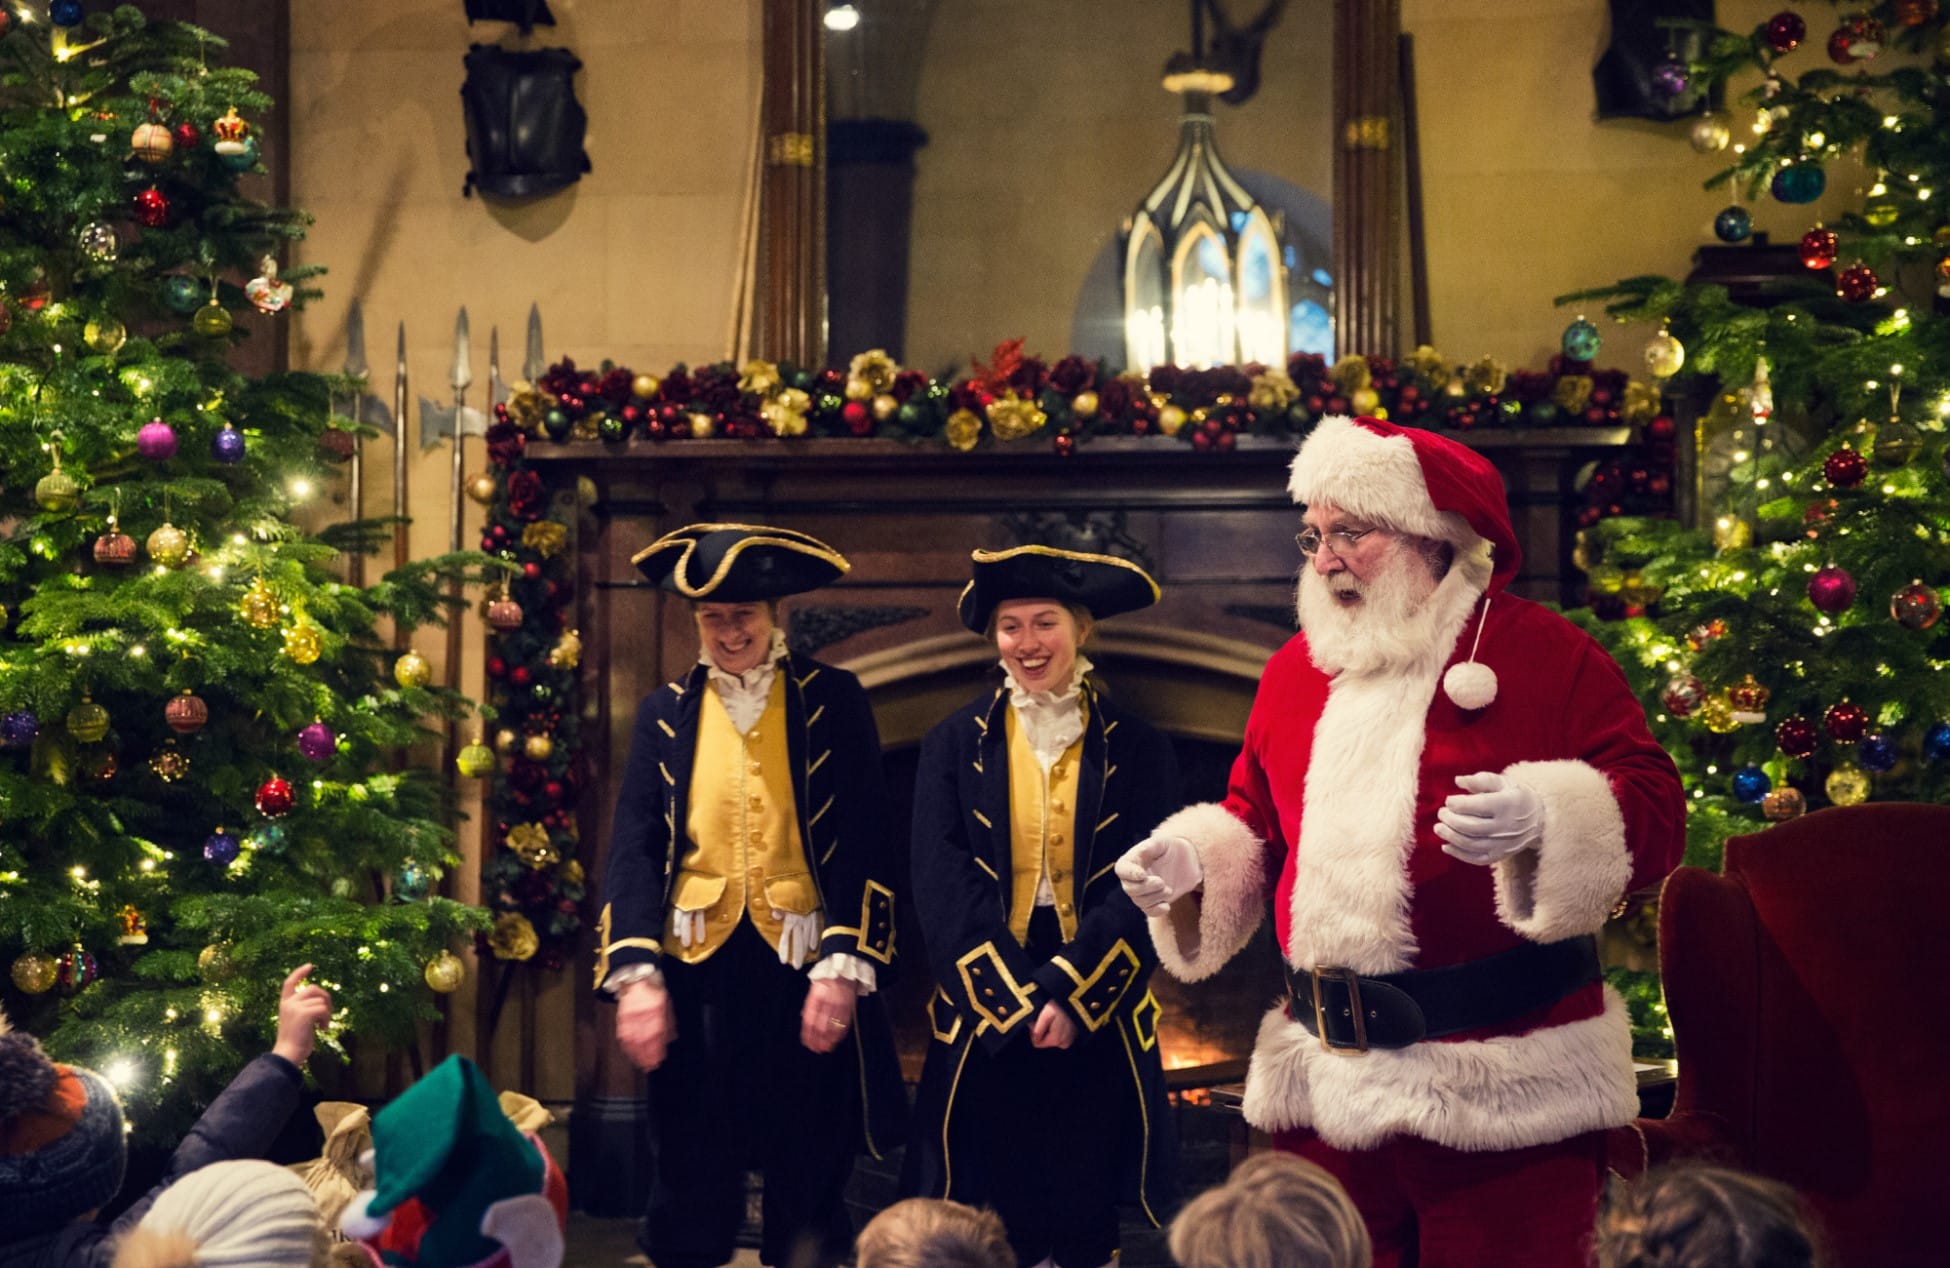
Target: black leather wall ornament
<point>524,125</point>
<point>1625,77</point>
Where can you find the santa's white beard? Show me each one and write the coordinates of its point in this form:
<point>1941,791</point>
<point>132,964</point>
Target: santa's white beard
<point>1392,627</point>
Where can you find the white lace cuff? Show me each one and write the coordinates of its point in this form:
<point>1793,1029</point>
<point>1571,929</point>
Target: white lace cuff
<point>848,968</point>
<point>629,973</point>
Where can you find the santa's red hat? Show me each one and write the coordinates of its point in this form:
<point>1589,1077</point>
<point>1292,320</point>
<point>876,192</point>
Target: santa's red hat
<point>1412,480</point>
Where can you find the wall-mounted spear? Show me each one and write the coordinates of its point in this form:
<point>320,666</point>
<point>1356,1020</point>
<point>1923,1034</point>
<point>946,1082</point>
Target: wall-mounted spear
<point>367,409</point>
<point>533,365</point>
<point>458,422</point>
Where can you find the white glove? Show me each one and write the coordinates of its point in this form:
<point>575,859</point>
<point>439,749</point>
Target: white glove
<point>798,938</point>
<point>1491,819</point>
<point>1158,869</point>
<point>688,926</point>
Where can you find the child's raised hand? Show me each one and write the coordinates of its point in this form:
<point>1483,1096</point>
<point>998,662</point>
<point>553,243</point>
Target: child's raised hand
<point>303,1009</point>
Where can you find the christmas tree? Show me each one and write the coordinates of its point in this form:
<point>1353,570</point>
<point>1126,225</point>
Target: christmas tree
<point>200,785</point>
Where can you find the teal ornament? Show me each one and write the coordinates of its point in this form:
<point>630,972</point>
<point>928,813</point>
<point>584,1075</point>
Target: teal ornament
<point>1733,225</point>
<point>240,160</point>
<point>412,883</point>
<point>270,839</point>
<point>1581,340</point>
<point>1799,183</point>
<point>1750,784</point>
<point>556,424</point>
<point>182,294</point>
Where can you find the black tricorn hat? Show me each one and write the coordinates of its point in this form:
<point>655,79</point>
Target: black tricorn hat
<point>1104,584</point>
<point>739,563</point>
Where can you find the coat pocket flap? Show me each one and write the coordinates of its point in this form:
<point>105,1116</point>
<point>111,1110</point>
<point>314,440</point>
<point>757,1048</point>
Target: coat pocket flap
<point>697,891</point>
<point>792,892</point>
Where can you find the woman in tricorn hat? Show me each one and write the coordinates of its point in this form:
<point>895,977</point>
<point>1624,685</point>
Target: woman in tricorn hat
<point>747,913</point>
<point>1042,1094</point>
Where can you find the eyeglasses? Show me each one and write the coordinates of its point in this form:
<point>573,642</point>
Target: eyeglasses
<point>1313,539</point>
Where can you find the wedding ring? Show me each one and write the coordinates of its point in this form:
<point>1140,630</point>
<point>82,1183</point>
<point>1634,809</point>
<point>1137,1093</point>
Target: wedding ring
<point>834,1021</point>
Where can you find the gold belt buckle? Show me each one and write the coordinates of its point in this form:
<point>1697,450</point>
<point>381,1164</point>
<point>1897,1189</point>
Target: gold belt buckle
<point>1353,982</point>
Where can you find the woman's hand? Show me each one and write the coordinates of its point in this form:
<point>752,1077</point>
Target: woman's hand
<point>1054,1028</point>
<point>643,1026</point>
<point>827,1015</point>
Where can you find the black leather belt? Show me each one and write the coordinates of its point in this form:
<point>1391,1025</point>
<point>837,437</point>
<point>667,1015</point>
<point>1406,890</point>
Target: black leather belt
<point>1351,1013</point>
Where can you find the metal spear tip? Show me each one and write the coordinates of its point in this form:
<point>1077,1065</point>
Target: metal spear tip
<point>355,343</point>
<point>534,364</point>
<point>462,373</point>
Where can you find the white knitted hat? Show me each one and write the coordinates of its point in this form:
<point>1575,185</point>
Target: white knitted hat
<point>239,1214</point>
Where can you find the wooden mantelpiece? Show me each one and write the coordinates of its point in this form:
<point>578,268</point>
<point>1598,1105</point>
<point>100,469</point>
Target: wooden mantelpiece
<point>1215,529</point>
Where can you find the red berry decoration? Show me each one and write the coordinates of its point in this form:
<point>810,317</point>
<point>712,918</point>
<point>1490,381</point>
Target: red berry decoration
<point>1847,721</point>
<point>1818,248</point>
<point>1845,468</point>
<point>152,207</point>
<point>1796,736</point>
<point>1858,39</point>
<point>1831,589</point>
<point>1065,444</point>
<point>1915,606</point>
<point>1785,31</point>
<point>1858,284</point>
<point>274,797</point>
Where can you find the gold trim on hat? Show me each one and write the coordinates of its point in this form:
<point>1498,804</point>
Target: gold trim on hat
<point>1079,556</point>
<point>688,536</point>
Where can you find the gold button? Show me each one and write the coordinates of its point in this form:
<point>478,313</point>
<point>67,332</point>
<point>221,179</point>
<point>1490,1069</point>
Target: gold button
<point>1056,771</point>
<point>1056,838</point>
<point>989,991</point>
<point>1065,909</point>
<point>1056,804</point>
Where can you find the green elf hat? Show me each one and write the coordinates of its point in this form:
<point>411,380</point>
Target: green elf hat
<point>1103,584</point>
<point>739,563</point>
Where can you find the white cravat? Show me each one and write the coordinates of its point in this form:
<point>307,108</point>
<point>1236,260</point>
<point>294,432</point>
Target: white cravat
<point>744,695</point>
<point>1051,721</point>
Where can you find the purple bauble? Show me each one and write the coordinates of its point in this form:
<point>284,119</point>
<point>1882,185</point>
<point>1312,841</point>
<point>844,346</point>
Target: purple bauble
<point>1670,78</point>
<point>18,729</point>
<point>227,446</point>
<point>220,847</point>
<point>317,742</point>
<point>1831,589</point>
<point>156,441</point>
<point>1876,752</point>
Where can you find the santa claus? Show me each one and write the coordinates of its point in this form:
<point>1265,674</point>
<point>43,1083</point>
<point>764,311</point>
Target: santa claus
<point>1445,790</point>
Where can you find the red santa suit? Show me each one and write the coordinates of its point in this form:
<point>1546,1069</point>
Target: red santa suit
<point>1331,812</point>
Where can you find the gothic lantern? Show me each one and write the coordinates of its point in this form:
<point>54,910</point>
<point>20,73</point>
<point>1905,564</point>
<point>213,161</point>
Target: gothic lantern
<point>1204,280</point>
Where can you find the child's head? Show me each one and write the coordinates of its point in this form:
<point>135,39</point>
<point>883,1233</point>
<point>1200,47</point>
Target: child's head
<point>242,1213</point>
<point>930,1233</point>
<point>61,1147</point>
<point>1712,1217</point>
<point>1275,1211</point>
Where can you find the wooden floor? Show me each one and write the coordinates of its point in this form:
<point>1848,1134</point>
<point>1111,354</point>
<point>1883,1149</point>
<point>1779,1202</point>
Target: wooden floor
<point>597,1243</point>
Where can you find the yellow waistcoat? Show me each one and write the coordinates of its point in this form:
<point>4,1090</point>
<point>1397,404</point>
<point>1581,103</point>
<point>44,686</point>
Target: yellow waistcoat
<point>1042,830</point>
<point>746,859</point>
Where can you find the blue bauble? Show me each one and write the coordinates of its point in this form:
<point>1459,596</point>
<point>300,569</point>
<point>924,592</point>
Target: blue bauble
<point>1936,742</point>
<point>241,160</point>
<point>1876,752</point>
<point>220,847</point>
<point>65,12</point>
<point>1750,784</point>
<point>227,446</point>
<point>1581,340</point>
<point>411,883</point>
<point>182,294</point>
<point>18,729</point>
<point>1799,183</point>
<point>1733,225</point>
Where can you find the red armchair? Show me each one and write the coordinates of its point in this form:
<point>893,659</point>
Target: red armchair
<point>1809,991</point>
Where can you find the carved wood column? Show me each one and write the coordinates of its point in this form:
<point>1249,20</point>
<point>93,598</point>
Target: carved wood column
<point>792,201</point>
<point>1367,217</point>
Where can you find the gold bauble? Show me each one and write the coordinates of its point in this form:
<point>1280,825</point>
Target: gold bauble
<point>475,760</point>
<point>258,605</point>
<point>169,546</point>
<point>1170,420</point>
<point>858,389</point>
<point>1716,715</point>
<point>57,491</point>
<point>212,321</point>
<point>505,739</point>
<point>445,972</point>
<point>1847,785</point>
<point>1365,400</point>
<point>1084,405</point>
<point>88,721</point>
<point>567,652</point>
<point>214,963</point>
<point>1782,804</point>
<point>412,670</point>
<point>538,747</point>
<point>703,426</point>
<point>104,334</point>
<point>1606,578</point>
<point>1664,355</point>
<point>482,488</point>
<point>303,643</point>
<point>645,386</point>
<point>885,407</point>
<point>1732,534</point>
<point>34,973</point>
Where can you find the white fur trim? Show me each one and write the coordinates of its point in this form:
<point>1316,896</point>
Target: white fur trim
<point>1233,863</point>
<point>1504,1093</point>
<point>1351,897</point>
<point>356,1224</point>
<point>1471,684</point>
<point>1569,884</point>
<point>1374,478</point>
<point>526,1224</point>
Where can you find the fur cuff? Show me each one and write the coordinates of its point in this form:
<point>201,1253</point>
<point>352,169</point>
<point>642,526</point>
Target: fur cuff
<point>1232,898</point>
<point>1569,884</point>
<point>1508,1092</point>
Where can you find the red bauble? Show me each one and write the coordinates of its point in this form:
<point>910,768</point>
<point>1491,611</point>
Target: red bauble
<point>1065,444</point>
<point>1847,721</point>
<point>152,207</point>
<point>1818,247</point>
<point>337,444</point>
<point>115,549</point>
<point>504,615</point>
<point>1857,284</point>
<point>274,797</point>
<point>1915,12</point>
<point>520,675</point>
<point>1845,468</point>
<point>1858,39</point>
<point>187,137</point>
<point>531,570</point>
<point>186,714</point>
<point>1661,428</point>
<point>1796,736</point>
<point>1831,589</point>
<point>858,419</point>
<point>1784,31</point>
<point>496,667</point>
<point>1915,606</point>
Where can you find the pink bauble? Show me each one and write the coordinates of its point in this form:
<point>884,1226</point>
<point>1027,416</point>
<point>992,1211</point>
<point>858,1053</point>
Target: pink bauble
<point>156,441</point>
<point>1831,589</point>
